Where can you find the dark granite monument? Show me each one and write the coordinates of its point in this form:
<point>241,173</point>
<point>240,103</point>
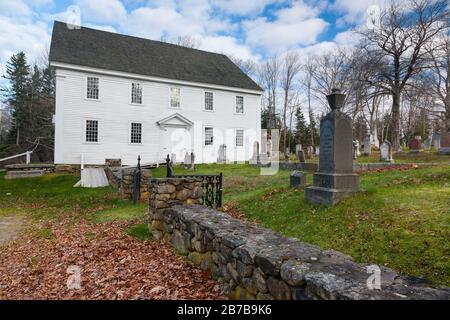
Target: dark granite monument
<point>335,178</point>
<point>297,179</point>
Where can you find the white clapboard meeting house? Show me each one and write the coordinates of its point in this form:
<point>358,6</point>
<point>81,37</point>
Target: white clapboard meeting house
<point>119,96</point>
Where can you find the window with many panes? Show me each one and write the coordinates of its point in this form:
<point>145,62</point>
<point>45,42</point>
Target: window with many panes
<point>209,136</point>
<point>92,88</point>
<point>175,97</point>
<point>91,131</point>
<point>239,137</point>
<point>136,93</point>
<point>209,101</point>
<point>239,104</point>
<point>136,132</point>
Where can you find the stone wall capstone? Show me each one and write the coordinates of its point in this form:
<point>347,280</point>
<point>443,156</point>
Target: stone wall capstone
<point>256,263</point>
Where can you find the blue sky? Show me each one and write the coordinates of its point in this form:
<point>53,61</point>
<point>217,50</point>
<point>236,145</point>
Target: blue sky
<point>249,29</point>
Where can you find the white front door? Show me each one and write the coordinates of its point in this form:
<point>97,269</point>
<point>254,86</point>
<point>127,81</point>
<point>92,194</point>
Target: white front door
<point>177,141</point>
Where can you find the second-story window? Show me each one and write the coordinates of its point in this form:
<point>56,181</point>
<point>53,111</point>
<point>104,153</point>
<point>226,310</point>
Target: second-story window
<point>92,88</point>
<point>136,93</point>
<point>239,104</point>
<point>209,101</point>
<point>175,97</point>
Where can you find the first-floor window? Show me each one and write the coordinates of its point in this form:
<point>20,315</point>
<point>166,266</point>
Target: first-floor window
<point>239,104</point>
<point>136,132</point>
<point>239,137</point>
<point>91,131</point>
<point>209,136</point>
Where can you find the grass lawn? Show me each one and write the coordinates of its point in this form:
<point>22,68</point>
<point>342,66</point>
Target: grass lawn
<point>401,220</point>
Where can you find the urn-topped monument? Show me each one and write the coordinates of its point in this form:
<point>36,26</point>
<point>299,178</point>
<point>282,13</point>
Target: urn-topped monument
<point>335,178</point>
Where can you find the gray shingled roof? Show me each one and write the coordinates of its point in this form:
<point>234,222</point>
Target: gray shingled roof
<point>106,50</point>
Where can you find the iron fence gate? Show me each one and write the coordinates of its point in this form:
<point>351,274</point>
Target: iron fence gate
<point>212,188</point>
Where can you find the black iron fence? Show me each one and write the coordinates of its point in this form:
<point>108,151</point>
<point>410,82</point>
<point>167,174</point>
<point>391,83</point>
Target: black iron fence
<point>137,181</point>
<point>212,188</point>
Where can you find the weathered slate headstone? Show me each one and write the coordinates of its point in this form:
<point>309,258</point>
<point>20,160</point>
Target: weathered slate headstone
<point>367,146</point>
<point>437,140</point>
<point>297,179</point>
<point>335,178</point>
<point>309,152</point>
<point>301,156</point>
<point>255,156</point>
<point>222,156</point>
<point>192,160</point>
<point>445,143</point>
<point>415,144</point>
<point>355,149</point>
<point>386,152</point>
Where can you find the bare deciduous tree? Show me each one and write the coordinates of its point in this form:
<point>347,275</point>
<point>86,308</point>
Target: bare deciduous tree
<point>402,43</point>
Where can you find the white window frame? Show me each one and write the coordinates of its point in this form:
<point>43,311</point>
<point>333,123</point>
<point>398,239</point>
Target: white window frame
<point>131,93</point>
<point>235,137</point>
<point>85,120</point>
<point>170,97</point>
<point>236,105</point>
<point>130,124</point>
<point>204,137</point>
<point>204,100</point>
<point>86,88</point>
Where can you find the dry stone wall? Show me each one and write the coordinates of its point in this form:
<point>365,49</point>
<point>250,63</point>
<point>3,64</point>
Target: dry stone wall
<point>256,263</point>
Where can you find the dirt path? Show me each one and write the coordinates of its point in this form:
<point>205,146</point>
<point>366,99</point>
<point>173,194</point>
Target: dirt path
<point>9,229</point>
<point>111,265</point>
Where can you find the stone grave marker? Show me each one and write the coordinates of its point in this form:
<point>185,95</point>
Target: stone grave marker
<point>386,152</point>
<point>222,156</point>
<point>355,149</point>
<point>317,151</point>
<point>309,152</point>
<point>255,157</point>
<point>428,141</point>
<point>335,178</point>
<point>301,156</point>
<point>192,160</point>
<point>437,140</point>
<point>415,144</point>
<point>367,146</point>
<point>445,143</point>
<point>297,179</point>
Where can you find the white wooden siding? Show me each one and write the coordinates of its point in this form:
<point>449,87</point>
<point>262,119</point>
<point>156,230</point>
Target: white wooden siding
<point>115,112</point>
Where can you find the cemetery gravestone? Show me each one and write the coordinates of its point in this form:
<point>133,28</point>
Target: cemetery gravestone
<point>222,157</point>
<point>335,178</point>
<point>309,152</point>
<point>192,161</point>
<point>415,144</point>
<point>386,152</point>
<point>317,151</point>
<point>255,157</point>
<point>367,148</point>
<point>187,160</point>
<point>445,143</point>
<point>301,156</point>
<point>355,149</point>
<point>297,179</point>
<point>428,141</point>
<point>286,154</point>
<point>436,141</point>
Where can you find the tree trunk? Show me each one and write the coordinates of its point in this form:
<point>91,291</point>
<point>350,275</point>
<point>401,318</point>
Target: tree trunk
<point>396,118</point>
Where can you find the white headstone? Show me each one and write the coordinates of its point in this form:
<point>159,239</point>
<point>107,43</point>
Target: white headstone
<point>386,151</point>
<point>367,148</point>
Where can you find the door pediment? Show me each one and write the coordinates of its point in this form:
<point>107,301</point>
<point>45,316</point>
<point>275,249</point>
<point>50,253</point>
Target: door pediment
<point>175,120</point>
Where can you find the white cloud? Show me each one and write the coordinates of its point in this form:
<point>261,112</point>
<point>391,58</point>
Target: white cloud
<point>242,7</point>
<point>227,45</point>
<point>32,38</point>
<point>15,9</point>
<point>297,25</point>
<point>102,11</point>
<point>354,12</point>
<point>348,37</point>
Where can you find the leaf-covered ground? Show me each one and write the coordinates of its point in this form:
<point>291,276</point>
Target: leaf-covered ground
<point>113,265</point>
